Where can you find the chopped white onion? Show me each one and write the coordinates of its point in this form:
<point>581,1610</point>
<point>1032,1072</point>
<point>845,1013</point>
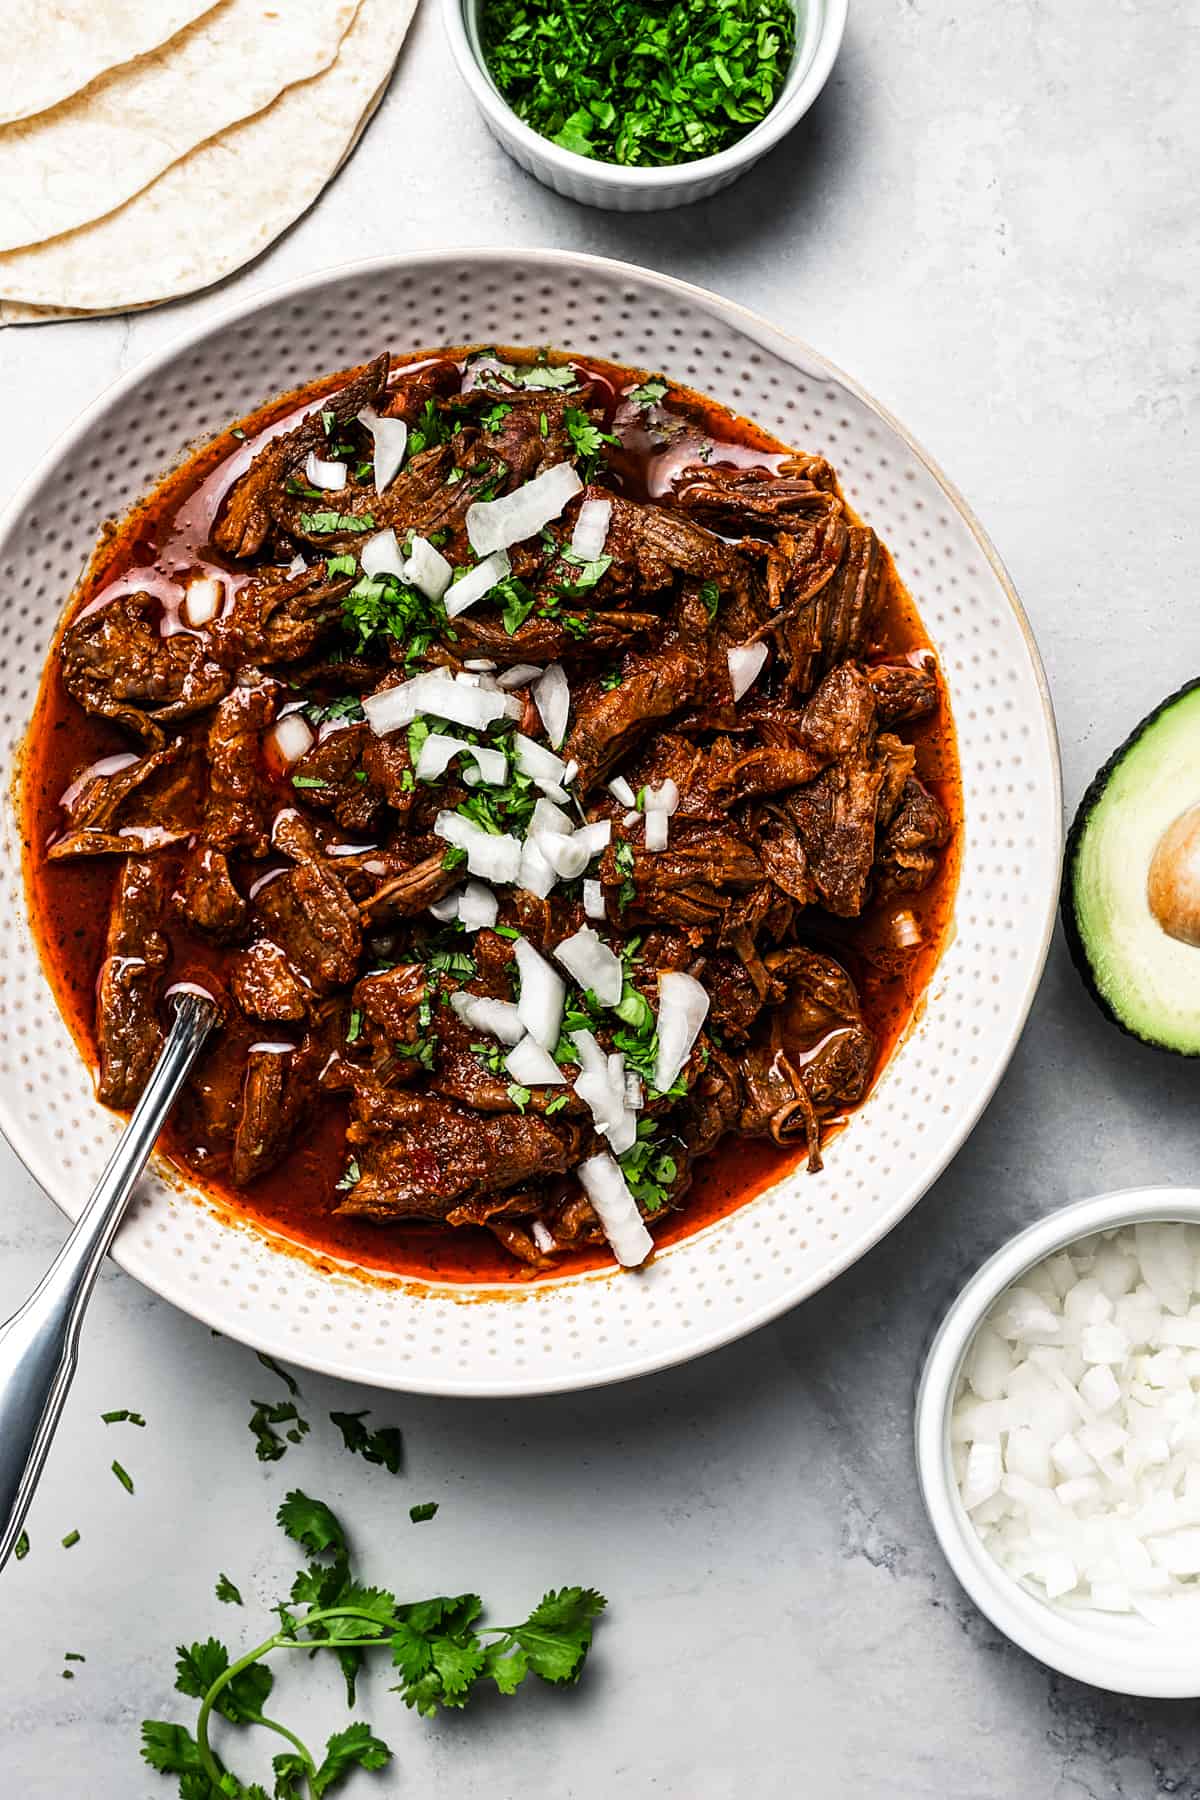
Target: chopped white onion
<point>543,1237</point>
<point>446,908</point>
<point>570,772</point>
<point>437,753</point>
<point>426,569</point>
<point>601,1086</point>
<point>391,441</point>
<point>533,759</point>
<point>635,1093</point>
<point>477,907</point>
<point>292,737</point>
<point>552,697</point>
<point>460,701</point>
<point>588,958</point>
<point>591,529</point>
<point>658,830</point>
<point>745,665</point>
<point>631,819</point>
<point>202,599</point>
<point>543,993</point>
<point>535,876</point>
<point>615,1207</point>
<point>491,763</point>
<point>321,474</point>
<point>566,855</point>
<point>498,1018</point>
<point>479,665</point>
<point>476,583</point>
<point>593,900</point>
<point>495,524</point>
<point>519,676</point>
<point>621,791</point>
<point>494,857</point>
<point>546,816</point>
<point>595,838</point>
<point>682,1010</point>
<point>664,798</point>
<point>381,555</point>
<point>532,1066</point>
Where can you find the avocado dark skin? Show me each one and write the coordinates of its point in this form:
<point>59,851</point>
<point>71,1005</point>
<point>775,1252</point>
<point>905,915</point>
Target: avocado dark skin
<point>1092,795</point>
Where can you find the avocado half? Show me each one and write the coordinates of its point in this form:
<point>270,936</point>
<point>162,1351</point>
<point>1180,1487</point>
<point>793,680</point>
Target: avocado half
<point>1147,982</point>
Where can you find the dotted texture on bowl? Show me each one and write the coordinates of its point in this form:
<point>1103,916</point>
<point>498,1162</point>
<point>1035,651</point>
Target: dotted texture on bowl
<point>791,1240</point>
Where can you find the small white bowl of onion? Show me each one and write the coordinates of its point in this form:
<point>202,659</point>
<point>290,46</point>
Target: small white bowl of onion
<point>1058,1440</point>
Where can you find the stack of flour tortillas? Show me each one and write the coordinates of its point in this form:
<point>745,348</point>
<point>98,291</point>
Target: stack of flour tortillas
<point>150,147</point>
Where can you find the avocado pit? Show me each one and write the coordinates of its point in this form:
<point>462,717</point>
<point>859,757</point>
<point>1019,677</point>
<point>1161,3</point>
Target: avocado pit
<point>1173,880</point>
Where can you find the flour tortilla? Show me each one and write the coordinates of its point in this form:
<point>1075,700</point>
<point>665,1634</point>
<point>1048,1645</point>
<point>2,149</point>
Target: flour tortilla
<point>220,206</point>
<point>88,155</point>
<point>53,50</point>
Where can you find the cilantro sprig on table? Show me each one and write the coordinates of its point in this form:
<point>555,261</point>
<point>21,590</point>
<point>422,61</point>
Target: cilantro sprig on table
<point>443,1653</point>
<point>637,81</point>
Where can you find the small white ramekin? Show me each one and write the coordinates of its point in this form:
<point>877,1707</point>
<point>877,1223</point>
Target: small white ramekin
<point>1125,1654</point>
<point>820,27</point>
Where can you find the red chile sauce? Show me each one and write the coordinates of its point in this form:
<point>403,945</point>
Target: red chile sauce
<point>163,542</point>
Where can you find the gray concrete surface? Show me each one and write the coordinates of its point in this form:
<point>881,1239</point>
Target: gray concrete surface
<point>990,219</point>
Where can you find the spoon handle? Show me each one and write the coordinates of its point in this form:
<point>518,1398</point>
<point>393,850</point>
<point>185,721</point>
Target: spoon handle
<point>39,1344</point>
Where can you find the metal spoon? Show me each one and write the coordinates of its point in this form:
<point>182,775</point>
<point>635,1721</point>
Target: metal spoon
<point>39,1345</point>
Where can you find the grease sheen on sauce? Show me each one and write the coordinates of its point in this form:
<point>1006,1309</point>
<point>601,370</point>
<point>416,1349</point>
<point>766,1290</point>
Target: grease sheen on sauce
<point>158,547</point>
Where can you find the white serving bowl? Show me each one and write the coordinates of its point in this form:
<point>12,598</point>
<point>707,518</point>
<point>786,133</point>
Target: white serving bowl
<point>820,24</point>
<point>1116,1651</point>
<point>728,1277</point>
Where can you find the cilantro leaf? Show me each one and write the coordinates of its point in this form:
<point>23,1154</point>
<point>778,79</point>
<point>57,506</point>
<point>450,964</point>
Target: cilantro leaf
<point>356,1747</point>
<point>268,1362</point>
<point>427,1509</point>
<point>648,393</point>
<point>587,441</point>
<point>384,1446</point>
<point>226,1591</point>
<point>311,1523</point>
<point>171,1749</point>
<point>557,1635</point>
<point>269,1446</point>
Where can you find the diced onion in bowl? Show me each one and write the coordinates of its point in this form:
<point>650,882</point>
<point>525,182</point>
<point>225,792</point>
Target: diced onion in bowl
<point>658,829</point>
<point>593,900</point>
<point>202,600</point>
<point>381,556</point>
<point>745,666</point>
<point>492,856</point>
<point>491,763</point>
<point>532,1066</point>
<point>566,855</point>
<point>321,474</point>
<point>498,1018</point>
<point>391,441</point>
<point>535,875</point>
<point>543,993</point>
<point>460,701</point>
<point>292,737</point>
<point>519,676</point>
<point>477,907</point>
<point>426,569</point>
<point>682,1010</point>
<point>495,524</point>
<point>591,530</point>
<point>588,958</point>
<point>533,759</point>
<point>552,697</point>
<point>547,816</point>
<point>476,583</point>
<point>621,792</point>
<point>615,1207</point>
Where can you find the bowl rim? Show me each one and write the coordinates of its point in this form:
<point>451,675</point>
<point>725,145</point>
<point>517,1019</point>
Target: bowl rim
<point>1117,1656</point>
<point>787,111</point>
<point>769,336</point>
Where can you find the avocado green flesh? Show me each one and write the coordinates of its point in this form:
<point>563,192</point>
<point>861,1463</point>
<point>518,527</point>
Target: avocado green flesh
<point>1150,982</point>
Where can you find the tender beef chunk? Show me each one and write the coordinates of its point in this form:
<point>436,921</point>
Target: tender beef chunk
<point>410,391</point>
<point>652,546</point>
<point>693,884</point>
<point>309,913</point>
<point>424,1157</point>
<point>237,814</point>
<point>700,774</point>
<point>897,760</point>
<point>280,616</point>
<point>907,856</point>
<point>116,662</point>
<point>735,999</point>
<point>904,691</point>
<point>607,724</point>
<point>131,977</point>
<point>389,771</point>
<point>815,1057</point>
<point>834,615</point>
<point>266,987</point>
<point>277,1098</point>
<point>150,804</point>
<point>836,722</point>
<point>333,777</point>
<point>518,440</point>
<point>731,499</point>
<point>551,640</point>
<point>245,519</point>
<point>209,899</point>
<point>414,890</point>
<point>388,1003</point>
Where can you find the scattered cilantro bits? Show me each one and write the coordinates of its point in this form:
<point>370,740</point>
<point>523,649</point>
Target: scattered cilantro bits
<point>426,1510</point>
<point>226,1591</point>
<point>385,1446</point>
<point>441,1650</point>
<point>122,1416</point>
<point>123,1476</point>
<point>70,1541</point>
<point>21,1547</point>
<point>636,81</point>
<point>269,1446</point>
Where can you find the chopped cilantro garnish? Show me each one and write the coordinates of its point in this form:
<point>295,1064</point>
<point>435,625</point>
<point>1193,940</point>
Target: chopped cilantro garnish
<point>452,962</point>
<point>70,1541</point>
<point>328,421</point>
<point>320,523</point>
<point>425,1510</point>
<point>21,1547</point>
<point>648,394</point>
<point>586,575</point>
<point>308,781</point>
<point>519,1095</point>
<point>587,441</point>
<point>354,1028</point>
<point>268,1445</point>
<point>505,931</point>
<point>420,1050</point>
<point>237,432</point>
<point>610,679</point>
<point>123,1476</point>
<point>649,1168</point>
<point>226,1591</point>
<point>623,857</point>
<point>383,607</point>
<point>516,602</point>
<point>122,1416</point>
<point>555,1105</point>
<point>305,489</point>
<point>453,857</point>
<point>383,1446</point>
<point>710,594</point>
<point>340,565</point>
<point>495,416</point>
<point>350,1176</point>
